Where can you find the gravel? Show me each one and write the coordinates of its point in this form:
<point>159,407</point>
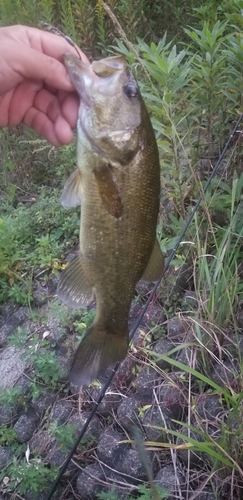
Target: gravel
<point>153,400</point>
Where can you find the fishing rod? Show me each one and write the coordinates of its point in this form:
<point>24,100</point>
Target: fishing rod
<point>142,313</point>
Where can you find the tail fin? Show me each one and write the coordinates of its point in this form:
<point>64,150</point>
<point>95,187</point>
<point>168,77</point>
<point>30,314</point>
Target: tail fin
<point>96,352</point>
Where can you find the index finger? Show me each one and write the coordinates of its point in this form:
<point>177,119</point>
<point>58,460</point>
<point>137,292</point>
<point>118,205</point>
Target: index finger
<point>50,44</point>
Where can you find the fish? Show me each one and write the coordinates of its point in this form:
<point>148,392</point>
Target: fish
<point>117,185</point>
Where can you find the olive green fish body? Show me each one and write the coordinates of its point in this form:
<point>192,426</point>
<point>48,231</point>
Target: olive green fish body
<point>118,185</point>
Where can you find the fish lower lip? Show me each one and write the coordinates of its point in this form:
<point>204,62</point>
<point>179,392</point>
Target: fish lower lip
<point>114,133</point>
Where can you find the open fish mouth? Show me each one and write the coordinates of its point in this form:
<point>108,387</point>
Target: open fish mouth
<point>99,75</point>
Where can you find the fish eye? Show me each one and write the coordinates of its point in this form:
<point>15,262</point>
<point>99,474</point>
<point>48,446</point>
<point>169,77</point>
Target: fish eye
<point>130,90</point>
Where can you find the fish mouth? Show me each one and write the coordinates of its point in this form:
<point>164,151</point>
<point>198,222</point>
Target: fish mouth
<point>97,77</point>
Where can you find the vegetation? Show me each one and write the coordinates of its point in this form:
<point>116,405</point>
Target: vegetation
<point>191,79</point>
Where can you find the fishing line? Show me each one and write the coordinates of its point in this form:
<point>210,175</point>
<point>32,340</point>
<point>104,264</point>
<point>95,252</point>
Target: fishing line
<point>142,313</point>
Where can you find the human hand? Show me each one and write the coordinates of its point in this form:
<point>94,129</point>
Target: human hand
<point>34,87</point>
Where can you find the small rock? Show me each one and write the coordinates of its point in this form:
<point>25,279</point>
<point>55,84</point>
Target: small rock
<point>175,328</point>
<point>12,366</point>
<point>184,275</point>
<point>57,457</point>
<point>7,413</point>
<point>61,412</point>
<point>155,421</point>
<point>170,481</point>
<point>154,315</point>
<point>30,495</point>
<point>209,407</point>
<point>16,319</point>
<point>189,302</point>
<point>171,398</point>
<point>162,347</point>
<point>207,494</point>
<point>197,458</point>
<point>52,284</point>
<point>110,450</point>
<point>55,328</point>
<point>42,402</point>
<point>133,467</point>
<point>146,381</point>
<point>109,402</point>
<point>24,385</point>
<point>184,356</point>
<point>40,294</point>
<point>224,374</point>
<point>90,481</point>
<point>210,412</point>
<point>127,413</point>
<point>234,344</point>
<point>121,485</point>
<point>42,442</point>
<point>158,417</point>
<point>143,288</point>
<point>135,310</point>
<point>5,456</point>
<point>94,429</point>
<point>65,365</point>
<point>7,310</point>
<point>239,319</point>
<point>26,426</point>
<point>125,373</point>
<point>141,338</point>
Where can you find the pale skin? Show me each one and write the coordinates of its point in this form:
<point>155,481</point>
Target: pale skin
<point>34,86</point>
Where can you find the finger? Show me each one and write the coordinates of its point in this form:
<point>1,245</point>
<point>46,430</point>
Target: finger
<point>35,65</point>
<point>70,105</point>
<point>64,106</point>
<point>46,128</point>
<point>22,99</point>
<point>45,116</point>
<point>52,45</point>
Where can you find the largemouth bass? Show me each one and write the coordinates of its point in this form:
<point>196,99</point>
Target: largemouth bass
<point>117,184</point>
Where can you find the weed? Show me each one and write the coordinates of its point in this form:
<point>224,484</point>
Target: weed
<point>28,476</point>
<point>33,237</point>
<point>40,356</point>
<point>144,493</point>
<point>64,434</point>
<point>10,396</point>
<point>8,436</point>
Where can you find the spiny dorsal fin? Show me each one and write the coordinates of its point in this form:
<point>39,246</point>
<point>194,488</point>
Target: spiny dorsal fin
<point>109,191</point>
<point>72,192</point>
<point>74,289</point>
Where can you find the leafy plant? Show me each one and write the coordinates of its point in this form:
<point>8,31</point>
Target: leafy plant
<point>64,434</point>
<point>43,360</point>
<point>28,476</point>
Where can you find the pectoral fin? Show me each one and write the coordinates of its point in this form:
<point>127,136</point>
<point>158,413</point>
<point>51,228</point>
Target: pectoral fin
<point>72,192</point>
<point>74,289</point>
<point>155,266</point>
<point>109,191</point>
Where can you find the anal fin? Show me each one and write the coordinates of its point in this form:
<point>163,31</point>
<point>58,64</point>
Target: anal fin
<point>74,289</point>
<point>155,265</point>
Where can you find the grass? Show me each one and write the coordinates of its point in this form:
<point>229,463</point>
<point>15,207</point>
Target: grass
<point>193,94</point>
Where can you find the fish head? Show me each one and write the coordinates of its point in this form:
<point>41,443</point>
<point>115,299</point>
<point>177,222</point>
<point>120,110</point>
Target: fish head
<point>111,107</point>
